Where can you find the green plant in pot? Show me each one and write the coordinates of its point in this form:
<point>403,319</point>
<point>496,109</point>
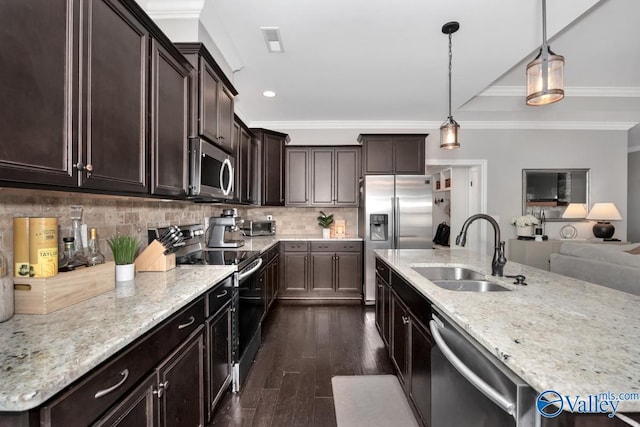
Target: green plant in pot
<point>124,250</point>
<point>325,222</point>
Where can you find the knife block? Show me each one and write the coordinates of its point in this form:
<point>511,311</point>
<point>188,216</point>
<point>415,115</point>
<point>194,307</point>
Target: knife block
<point>154,259</point>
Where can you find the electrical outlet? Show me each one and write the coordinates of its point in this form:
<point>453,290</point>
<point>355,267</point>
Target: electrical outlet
<point>269,217</point>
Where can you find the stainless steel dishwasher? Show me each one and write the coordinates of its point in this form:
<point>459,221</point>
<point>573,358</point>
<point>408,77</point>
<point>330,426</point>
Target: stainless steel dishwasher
<point>470,387</point>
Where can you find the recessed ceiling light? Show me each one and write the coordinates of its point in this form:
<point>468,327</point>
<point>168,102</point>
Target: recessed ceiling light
<point>272,38</point>
<point>269,93</point>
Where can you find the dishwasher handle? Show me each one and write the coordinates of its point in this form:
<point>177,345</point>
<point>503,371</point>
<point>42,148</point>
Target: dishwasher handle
<point>504,403</point>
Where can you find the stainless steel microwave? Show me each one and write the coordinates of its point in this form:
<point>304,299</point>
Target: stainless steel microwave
<point>211,171</point>
<point>258,228</point>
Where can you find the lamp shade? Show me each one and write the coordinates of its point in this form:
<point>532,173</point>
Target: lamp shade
<point>604,212</point>
<point>575,210</point>
<point>545,78</point>
<point>449,134</point>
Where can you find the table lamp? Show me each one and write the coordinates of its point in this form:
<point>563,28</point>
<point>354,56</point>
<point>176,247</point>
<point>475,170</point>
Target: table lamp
<point>603,213</point>
<point>573,211</point>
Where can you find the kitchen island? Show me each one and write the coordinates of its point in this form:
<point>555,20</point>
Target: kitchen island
<point>40,355</point>
<point>555,333</point>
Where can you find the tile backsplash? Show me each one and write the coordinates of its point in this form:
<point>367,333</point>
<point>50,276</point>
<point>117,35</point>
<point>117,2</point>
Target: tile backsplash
<point>113,215</point>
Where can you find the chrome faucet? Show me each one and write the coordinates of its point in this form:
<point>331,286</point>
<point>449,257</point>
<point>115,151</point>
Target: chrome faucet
<point>499,260</point>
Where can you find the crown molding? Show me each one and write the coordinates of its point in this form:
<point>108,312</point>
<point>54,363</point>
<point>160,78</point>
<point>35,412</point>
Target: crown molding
<point>430,125</point>
<point>578,91</point>
<point>174,9</point>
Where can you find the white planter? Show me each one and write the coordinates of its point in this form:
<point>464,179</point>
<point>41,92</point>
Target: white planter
<point>125,272</point>
<point>527,230</point>
<point>326,233</point>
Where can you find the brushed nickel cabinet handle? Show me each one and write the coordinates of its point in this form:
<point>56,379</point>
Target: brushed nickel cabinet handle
<point>162,387</point>
<point>82,167</point>
<point>222,294</point>
<point>405,319</point>
<point>124,374</point>
<point>189,323</point>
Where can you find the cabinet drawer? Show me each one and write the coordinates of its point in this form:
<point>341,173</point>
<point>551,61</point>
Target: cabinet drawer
<point>219,296</point>
<point>92,396</point>
<point>295,246</point>
<point>382,270</point>
<point>352,246</point>
<point>419,305</point>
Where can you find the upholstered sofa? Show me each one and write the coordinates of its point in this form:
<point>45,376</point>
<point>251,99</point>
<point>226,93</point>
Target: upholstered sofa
<point>603,264</point>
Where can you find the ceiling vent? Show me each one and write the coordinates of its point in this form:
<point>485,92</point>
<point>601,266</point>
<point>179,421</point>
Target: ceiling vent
<point>272,38</point>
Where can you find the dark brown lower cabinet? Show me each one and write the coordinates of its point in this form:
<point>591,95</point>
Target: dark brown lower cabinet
<point>322,271</point>
<point>138,409</point>
<point>181,385</point>
<point>420,376</point>
<point>219,354</point>
<point>295,273</point>
<point>383,316</point>
<point>400,337</point>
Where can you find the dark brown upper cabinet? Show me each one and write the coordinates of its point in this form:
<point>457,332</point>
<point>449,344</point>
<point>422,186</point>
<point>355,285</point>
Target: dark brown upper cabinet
<point>85,97</point>
<point>212,97</point>
<point>393,154</point>
<point>38,120</point>
<point>322,176</point>
<point>272,161</point>
<point>247,164</point>
<point>170,73</point>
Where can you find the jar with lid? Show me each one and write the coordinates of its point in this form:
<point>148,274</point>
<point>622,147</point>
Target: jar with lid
<point>6,291</point>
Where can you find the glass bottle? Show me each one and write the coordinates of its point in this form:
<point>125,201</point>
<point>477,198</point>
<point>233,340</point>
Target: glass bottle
<point>76,228</point>
<point>74,259</point>
<point>95,257</point>
<point>6,291</point>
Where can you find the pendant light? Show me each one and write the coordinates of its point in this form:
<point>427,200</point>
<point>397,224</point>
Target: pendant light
<point>449,129</point>
<point>545,74</point>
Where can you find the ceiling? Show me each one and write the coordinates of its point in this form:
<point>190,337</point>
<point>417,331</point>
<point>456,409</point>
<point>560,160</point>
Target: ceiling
<point>349,63</point>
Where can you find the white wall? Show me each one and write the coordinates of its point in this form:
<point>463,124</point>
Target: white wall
<point>633,208</point>
<point>508,152</point>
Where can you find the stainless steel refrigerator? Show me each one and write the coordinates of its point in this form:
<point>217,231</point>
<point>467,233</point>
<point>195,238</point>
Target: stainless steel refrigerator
<point>395,213</point>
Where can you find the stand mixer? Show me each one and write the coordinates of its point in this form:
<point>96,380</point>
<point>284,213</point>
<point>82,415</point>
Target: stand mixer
<point>220,227</point>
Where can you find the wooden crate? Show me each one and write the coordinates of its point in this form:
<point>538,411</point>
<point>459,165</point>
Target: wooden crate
<point>42,296</point>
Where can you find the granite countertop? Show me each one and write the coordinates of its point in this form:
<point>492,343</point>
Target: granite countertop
<point>263,243</point>
<point>556,333</point>
<point>42,354</point>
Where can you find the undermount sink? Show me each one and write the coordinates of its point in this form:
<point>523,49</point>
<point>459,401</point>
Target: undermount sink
<point>470,285</point>
<point>459,279</point>
<point>448,273</point>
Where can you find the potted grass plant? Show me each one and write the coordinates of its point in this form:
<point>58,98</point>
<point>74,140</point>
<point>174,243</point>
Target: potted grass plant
<point>124,250</point>
<point>325,222</point>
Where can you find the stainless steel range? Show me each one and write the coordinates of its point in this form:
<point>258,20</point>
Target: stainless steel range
<point>247,301</point>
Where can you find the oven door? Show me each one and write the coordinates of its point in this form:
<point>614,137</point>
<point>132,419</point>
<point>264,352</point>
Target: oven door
<point>211,171</point>
<point>248,315</point>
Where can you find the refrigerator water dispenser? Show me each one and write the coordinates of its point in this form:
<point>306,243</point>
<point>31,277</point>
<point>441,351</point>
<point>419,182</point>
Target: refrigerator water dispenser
<point>378,226</point>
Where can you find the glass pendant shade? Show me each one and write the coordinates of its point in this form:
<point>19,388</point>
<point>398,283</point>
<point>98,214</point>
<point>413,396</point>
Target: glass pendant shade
<point>545,78</point>
<point>449,134</point>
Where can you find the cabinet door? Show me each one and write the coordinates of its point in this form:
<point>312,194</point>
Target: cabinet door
<point>254,180</point>
<point>420,382</point>
<point>399,336</point>
<point>38,106</point>
<point>346,174</point>
<point>348,272</point>
<point>322,177</point>
<point>322,271</point>
<point>225,119</point>
<point>297,177</point>
<point>115,52</point>
<point>240,163</point>
<point>137,409</point>
<point>219,357</point>
<point>386,317</point>
<point>208,101</point>
<point>295,272</point>
<point>273,172</point>
<point>275,277</point>
<point>169,123</point>
<point>181,380</point>
<point>409,155</point>
<point>379,306</point>
<point>378,156</point>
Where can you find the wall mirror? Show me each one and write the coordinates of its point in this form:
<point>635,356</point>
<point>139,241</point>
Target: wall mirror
<point>551,190</point>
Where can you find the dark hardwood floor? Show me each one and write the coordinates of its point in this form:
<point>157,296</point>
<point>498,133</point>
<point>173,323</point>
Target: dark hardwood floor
<point>302,348</point>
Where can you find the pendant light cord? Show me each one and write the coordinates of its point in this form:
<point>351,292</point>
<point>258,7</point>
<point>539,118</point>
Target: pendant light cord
<point>450,58</point>
<point>544,22</point>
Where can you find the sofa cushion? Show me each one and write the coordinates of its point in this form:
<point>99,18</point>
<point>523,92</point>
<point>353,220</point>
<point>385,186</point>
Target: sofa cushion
<point>635,251</point>
<point>613,254</point>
